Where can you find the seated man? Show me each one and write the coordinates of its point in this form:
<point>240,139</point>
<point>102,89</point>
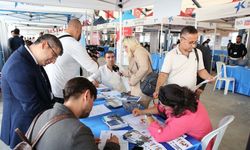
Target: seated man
<point>109,74</point>
<point>237,53</point>
<point>79,94</point>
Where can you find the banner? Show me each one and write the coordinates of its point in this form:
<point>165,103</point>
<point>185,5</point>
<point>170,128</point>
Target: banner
<point>127,31</point>
<point>242,23</point>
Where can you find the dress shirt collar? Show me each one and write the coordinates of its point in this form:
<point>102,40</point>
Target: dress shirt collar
<point>27,48</point>
<point>107,68</point>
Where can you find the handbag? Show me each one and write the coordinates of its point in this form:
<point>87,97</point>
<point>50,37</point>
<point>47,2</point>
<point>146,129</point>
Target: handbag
<point>26,144</point>
<point>148,85</point>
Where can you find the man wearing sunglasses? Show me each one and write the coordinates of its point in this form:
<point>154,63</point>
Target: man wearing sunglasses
<point>181,64</point>
<point>25,85</point>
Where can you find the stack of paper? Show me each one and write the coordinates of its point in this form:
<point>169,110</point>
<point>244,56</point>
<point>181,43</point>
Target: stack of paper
<point>180,143</point>
<point>99,110</point>
<point>106,135</point>
<point>111,94</point>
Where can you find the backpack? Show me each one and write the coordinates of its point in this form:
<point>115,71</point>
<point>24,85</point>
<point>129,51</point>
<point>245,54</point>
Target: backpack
<point>26,143</point>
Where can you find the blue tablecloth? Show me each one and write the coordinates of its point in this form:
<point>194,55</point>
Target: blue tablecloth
<point>96,124</point>
<point>242,80</point>
<point>220,52</point>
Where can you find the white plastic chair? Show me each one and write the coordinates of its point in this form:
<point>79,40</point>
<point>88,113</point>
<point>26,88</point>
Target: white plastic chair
<point>219,132</point>
<point>227,80</point>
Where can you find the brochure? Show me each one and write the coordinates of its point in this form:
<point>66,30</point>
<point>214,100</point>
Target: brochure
<point>127,97</point>
<point>114,121</point>
<point>134,136</point>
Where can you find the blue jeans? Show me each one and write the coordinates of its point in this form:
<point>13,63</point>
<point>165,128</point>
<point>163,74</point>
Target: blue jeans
<point>238,62</point>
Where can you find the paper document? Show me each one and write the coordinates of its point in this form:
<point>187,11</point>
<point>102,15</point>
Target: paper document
<point>103,88</point>
<point>111,94</point>
<point>99,110</point>
<point>205,81</point>
<point>106,135</point>
<point>138,123</point>
<point>153,145</point>
<point>180,143</point>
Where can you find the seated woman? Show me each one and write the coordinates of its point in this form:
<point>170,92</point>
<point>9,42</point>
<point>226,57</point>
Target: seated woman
<point>185,115</point>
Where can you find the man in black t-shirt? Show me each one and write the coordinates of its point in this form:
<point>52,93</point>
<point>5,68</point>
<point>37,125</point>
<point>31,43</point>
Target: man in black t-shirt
<point>237,52</point>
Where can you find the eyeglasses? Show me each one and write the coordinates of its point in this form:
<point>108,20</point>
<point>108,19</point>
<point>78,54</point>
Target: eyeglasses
<point>190,42</point>
<point>55,55</point>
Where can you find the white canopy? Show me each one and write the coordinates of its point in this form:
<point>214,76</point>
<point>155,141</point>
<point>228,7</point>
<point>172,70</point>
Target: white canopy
<point>234,9</point>
<point>91,4</point>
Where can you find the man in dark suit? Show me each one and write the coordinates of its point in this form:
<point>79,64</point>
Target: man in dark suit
<point>207,58</point>
<point>25,85</point>
<point>15,42</point>
<point>67,134</point>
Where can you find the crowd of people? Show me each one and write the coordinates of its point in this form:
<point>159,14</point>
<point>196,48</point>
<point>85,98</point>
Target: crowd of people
<point>16,40</point>
<point>41,78</point>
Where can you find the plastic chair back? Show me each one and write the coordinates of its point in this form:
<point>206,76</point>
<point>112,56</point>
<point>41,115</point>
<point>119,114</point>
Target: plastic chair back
<point>219,66</point>
<point>219,132</point>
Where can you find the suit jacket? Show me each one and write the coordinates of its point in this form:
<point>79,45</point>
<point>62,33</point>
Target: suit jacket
<point>67,134</point>
<point>15,42</point>
<point>139,67</point>
<point>25,94</point>
<point>207,58</point>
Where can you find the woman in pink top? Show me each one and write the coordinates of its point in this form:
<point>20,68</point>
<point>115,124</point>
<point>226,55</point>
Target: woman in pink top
<point>185,115</point>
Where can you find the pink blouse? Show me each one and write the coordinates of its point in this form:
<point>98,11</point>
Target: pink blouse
<point>195,124</point>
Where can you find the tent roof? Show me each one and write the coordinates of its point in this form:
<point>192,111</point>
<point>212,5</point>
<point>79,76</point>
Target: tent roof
<point>90,4</point>
<point>57,12</point>
<point>229,10</point>
<point>224,15</point>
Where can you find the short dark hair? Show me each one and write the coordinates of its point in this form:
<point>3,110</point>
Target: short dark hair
<point>109,52</point>
<point>76,86</point>
<point>189,29</point>
<point>179,98</point>
<point>239,36</point>
<point>16,31</point>
<point>52,40</point>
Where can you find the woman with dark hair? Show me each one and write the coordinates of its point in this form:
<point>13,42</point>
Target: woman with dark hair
<point>185,115</point>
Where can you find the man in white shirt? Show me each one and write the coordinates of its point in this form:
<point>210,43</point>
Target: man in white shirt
<point>181,64</point>
<point>68,65</point>
<point>108,75</point>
